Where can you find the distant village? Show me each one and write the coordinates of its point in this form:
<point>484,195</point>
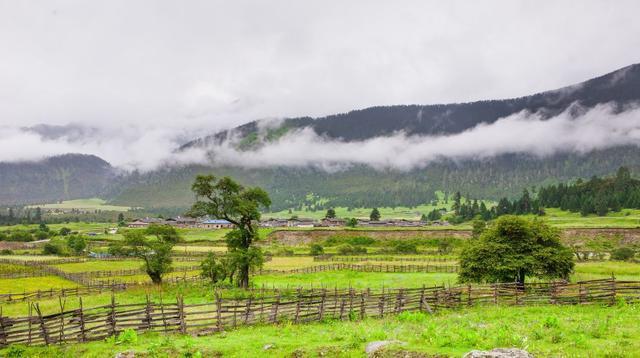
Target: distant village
<point>206,223</point>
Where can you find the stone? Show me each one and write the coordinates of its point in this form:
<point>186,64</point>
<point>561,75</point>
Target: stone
<point>126,354</point>
<point>268,346</point>
<point>499,353</point>
<point>375,346</point>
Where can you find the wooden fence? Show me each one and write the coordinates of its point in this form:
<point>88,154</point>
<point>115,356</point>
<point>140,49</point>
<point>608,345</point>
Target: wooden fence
<point>381,258</point>
<point>88,324</point>
<point>62,292</point>
<point>365,268</point>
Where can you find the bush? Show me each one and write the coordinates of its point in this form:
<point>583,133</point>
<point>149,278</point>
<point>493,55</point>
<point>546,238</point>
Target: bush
<point>316,250</point>
<point>351,250</point>
<point>52,249</point>
<point>6,252</point>
<point>406,248</point>
<point>64,231</point>
<point>20,235</point>
<point>361,241</point>
<point>623,254</point>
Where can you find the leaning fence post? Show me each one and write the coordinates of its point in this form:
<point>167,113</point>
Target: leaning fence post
<point>112,315</point>
<point>43,327</point>
<point>274,309</point>
<point>147,313</point>
<point>83,336</point>
<point>62,335</point>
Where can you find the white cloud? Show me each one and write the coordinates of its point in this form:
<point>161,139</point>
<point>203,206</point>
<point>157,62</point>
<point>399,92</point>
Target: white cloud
<point>214,64</point>
<point>598,128</point>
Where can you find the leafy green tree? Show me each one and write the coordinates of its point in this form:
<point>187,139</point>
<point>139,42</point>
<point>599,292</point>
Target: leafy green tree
<point>403,247</point>
<point>316,250</point>
<point>623,254</point>
<point>152,245</point>
<point>352,222</point>
<point>514,248</point>
<point>77,243</point>
<point>64,231</point>
<point>214,269</point>
<point>331,214</point>
<point>375,215</point>
<point>43,227</point>
<point>478,228</point>
<point>51,248</point>
<point>445,246</point>
<point>225,199</point>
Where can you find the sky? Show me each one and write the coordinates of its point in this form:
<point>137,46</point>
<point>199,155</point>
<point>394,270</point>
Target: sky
<point>150,73</point>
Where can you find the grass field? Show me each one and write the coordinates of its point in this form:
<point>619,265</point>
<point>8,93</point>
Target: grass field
<point>84,204</point>
<point>17,285</point>
<point>545,331</point>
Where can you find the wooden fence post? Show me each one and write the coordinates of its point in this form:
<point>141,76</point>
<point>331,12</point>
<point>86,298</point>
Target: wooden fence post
<point>62,335</point>
<point>43,327</point>
<point>83,335</point>
<point>111,320</point>
<point>469,296</point>
<point>274,309</point>
<point>3,334</point>
<point>298,303</point>
<point>247,310</point>
<point>321,308</point>
<point>219,323</point>
<point>147,314</point>
<point>421,303</point>
<point>613,290</point>
<point>181,315</point>
<point>164,318</point>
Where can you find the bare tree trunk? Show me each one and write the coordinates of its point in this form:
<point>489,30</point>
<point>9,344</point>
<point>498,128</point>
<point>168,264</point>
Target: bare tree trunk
<point>243,276</point>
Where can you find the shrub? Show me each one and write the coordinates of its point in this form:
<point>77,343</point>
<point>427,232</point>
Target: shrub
<point>52,249</point>
<point>623,254</point>
<point>128,336</point>
<point>361,241</point>
<point>6,252</point>
<point>403,247</point>
<point>316,249</point>
<point>20,235</point>
<point>64,231</point>
<point>351,250</point>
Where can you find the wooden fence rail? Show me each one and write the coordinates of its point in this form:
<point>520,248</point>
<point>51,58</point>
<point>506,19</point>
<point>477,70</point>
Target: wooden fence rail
<point>87,324</point>
<point>365,268</point>
<point>381,258</point>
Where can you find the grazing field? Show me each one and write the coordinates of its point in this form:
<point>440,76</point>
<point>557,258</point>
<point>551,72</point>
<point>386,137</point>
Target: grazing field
<point>33,284</point>
<point>545,331</point>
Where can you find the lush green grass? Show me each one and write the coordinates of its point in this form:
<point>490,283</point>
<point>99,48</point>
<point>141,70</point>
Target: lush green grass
<point>17,285</point>
<point>354,279</point>
<point>85,204</point>
<point>627,218</point>
<point>108,265</point>
<point>545,331</point>
<point>30,257</point>
<point>604,269</point>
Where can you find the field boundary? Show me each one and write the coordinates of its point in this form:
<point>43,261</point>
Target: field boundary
<point>96,323</point>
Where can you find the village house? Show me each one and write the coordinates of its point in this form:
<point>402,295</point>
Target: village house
<point>142,223</point>
<point>215,224</point>
<point>272,222</point>
<point>332,222</point>
<point>300,222</point>
<point>182,222</point>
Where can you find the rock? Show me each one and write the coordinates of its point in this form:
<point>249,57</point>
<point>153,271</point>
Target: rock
<point>126,354</point>
<point>499,353</point>
<point>268,346</point>
<point>375,346</point>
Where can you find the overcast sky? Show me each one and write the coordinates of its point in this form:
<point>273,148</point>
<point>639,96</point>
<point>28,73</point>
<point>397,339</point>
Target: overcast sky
<point>212,64</point>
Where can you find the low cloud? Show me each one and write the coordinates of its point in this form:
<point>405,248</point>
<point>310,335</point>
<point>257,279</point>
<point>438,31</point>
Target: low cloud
<point>147,149</point>
<point>526,133</point>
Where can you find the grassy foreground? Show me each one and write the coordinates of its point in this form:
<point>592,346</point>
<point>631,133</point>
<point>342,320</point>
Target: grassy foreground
<point>545,331</point>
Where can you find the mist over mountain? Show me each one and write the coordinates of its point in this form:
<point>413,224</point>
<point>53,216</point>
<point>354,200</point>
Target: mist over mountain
<point>379,156</point>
